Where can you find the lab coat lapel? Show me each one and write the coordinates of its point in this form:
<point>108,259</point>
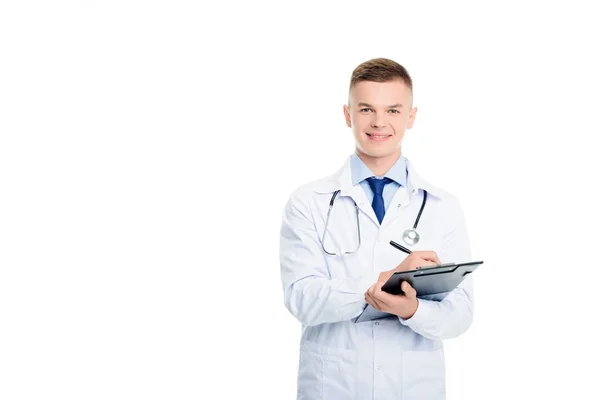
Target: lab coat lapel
<point>356,192</point>
<point>400,200</point>
<point>405,195</point>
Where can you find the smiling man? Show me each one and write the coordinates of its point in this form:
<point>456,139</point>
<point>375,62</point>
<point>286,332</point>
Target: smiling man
<point>335,256</point>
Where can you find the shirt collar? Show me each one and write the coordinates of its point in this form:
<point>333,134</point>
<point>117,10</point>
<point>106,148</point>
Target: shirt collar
<point>342,180</point>
<point>361,172</point>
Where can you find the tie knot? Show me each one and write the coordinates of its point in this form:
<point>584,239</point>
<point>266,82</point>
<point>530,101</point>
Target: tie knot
<point>378,184</point>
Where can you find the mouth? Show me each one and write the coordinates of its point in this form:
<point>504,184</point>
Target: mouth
<point>378,137</point>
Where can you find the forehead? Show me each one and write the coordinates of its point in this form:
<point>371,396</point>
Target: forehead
<point>381,93</point>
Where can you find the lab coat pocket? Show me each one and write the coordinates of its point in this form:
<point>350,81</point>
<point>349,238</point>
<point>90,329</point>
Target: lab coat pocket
<point>424,375</point>
<point>326,372</point>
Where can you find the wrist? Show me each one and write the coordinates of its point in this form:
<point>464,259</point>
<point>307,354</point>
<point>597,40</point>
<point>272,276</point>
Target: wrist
<point>410,310</point>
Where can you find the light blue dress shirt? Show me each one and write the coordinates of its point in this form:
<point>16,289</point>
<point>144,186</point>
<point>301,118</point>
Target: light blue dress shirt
<point>360,173</point>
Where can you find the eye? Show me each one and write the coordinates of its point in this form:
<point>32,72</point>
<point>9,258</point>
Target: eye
<point>365,109</point>
<point>395,111</point>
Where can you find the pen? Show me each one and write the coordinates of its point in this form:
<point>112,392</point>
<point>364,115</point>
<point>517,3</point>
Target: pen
<point>400,247</point>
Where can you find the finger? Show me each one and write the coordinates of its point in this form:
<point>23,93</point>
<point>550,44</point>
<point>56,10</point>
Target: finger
<point>369,300</point>
<point>371,290</point>
<point>384,299</point>
<point>424,263</point>
<point>379,296</point>
<point>377,301</point>
<point>408,290</point>
<point>369,293</point>
<point>428,255</point>
<point>374,303</point>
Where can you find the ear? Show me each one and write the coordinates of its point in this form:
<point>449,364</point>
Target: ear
<point>411,117</point>
<point>347,116</point>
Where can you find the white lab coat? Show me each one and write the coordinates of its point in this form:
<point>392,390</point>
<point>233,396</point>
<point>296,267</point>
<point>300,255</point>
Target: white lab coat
<point>385,359</point>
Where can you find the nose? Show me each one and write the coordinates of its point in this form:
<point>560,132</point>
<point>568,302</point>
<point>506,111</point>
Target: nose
<point>377,121</point>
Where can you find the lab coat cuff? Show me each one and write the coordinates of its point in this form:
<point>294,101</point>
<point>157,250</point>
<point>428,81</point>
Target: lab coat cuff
<point>421,316</point>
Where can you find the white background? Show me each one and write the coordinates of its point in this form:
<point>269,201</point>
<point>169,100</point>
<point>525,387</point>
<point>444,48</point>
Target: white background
<point>147,150</point>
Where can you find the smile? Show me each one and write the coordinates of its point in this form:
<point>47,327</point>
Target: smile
<point>378,138</point>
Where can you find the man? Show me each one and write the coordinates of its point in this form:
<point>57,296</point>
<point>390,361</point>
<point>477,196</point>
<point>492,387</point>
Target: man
<point>335,259</point>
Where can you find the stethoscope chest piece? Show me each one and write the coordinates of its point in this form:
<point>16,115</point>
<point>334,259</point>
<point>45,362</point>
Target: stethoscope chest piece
<point>410,236</point>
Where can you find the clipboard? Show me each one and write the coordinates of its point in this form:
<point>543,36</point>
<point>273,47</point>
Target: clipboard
<point>430,281</point>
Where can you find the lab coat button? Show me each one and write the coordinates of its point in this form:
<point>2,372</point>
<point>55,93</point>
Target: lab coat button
<point>376,323</point>
<point>379,367</point>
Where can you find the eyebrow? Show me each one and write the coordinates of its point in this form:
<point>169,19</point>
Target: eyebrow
<point>398,105</point>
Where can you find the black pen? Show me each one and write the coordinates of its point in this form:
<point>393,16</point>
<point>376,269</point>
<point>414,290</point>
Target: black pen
<point>400,247</point>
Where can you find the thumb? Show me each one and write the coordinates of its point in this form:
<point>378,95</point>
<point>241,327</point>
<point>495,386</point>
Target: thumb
<point>408,290</point>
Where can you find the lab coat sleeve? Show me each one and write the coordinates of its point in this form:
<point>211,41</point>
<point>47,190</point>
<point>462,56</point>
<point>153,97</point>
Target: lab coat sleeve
<point>310,294</point>
<point>452,316</point>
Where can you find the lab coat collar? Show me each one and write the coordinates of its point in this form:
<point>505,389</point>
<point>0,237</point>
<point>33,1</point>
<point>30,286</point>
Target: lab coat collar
<point>342,180</point>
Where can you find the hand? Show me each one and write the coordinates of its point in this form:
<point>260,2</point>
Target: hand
<point>415,260</point>
<point>403,306</point>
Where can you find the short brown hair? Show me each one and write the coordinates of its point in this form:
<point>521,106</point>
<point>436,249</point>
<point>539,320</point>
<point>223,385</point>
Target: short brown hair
<point>380,70</point>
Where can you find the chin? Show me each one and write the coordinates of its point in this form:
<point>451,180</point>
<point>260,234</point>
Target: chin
<point>378,153</point>
<point>379,148</point>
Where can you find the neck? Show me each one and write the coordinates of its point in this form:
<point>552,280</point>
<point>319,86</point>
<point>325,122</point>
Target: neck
<point>379,165</point>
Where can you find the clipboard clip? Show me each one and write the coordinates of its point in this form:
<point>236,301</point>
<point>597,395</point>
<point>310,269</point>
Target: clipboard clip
<point>436,269</point>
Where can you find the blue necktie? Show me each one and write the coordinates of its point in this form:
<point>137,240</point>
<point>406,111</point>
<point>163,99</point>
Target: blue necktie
<point>377,188</point>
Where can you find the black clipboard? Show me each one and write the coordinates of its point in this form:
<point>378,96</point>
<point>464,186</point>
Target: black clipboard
<point>431,280</point>
<point>427,281</point>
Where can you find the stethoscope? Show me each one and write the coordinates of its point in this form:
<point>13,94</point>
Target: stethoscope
<point>410,236</point>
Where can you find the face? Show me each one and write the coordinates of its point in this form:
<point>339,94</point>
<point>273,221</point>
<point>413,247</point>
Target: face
<point>379,113</point>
